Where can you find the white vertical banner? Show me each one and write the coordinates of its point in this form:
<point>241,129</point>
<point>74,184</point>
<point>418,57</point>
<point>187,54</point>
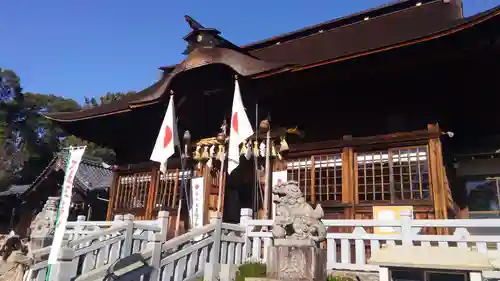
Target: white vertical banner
<point>72,164</point>
<point>278,178</point>
<point>198,203</point>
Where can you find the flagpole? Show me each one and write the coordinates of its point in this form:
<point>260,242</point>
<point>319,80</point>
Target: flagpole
<point>221,137</point>
<point>179,204</point>
<point>264,125</point>
<point>257,186</point>
<point>184,157</point>
<point>221,182</point>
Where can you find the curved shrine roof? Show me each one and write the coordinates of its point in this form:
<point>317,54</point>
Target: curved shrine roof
<point>392,26</point>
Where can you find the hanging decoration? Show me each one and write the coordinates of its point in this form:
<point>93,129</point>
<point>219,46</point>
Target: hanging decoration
<point>283,144</point>
<point>273,149</point>
<point>248,154</point>
<point>243,150</point>
<point>210,150</point>
<point>262,149</point>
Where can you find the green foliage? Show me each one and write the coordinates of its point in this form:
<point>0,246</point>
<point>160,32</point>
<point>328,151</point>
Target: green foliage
<point>28,140</point>
<point>251,269</point>
<point>105,99</point>
<point>339,278</point>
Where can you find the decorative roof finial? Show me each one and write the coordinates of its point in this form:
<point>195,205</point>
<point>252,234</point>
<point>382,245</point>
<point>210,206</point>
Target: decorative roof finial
<point>193,23</point>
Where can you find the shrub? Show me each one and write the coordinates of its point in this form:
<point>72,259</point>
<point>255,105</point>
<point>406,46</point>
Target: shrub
<point>339,278</point>
<point>251,269</point>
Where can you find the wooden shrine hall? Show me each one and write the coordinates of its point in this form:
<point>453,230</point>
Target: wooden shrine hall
<point>383,99</point>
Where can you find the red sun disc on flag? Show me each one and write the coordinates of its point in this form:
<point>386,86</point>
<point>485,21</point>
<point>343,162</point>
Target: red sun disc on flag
<point>234,122</point>
<point>167,137</point>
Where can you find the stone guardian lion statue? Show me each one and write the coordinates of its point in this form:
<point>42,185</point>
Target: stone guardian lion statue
<point>295,218</point>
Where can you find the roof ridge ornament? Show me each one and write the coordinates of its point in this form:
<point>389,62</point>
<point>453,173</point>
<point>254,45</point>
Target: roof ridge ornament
<point>201,36</point>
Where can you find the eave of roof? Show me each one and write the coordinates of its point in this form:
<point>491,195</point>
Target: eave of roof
<point>384,9</point>
<point>242,64</point>
<point>80,182</point>
<point>152,96</point>
<point>458,26</point>
<point>387,8</point>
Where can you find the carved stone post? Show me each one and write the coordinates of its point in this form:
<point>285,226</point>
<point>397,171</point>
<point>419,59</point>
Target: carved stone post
<point>42,227</point>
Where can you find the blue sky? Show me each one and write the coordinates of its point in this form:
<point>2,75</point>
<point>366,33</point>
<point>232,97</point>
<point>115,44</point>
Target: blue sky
<point>87,48</point>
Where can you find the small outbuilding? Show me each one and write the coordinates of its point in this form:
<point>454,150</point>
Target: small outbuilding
<point>425,263</point>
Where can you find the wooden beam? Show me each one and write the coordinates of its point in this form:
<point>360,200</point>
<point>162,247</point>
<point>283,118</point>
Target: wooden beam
<point>112,194</point>
<point>153,186</point>
<point>395,139</point>
<point>349,186</point>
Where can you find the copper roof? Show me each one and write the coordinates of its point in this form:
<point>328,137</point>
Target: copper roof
<point>388,27</point>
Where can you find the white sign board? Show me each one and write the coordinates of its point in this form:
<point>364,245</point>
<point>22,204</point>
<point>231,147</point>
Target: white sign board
<point>73,162</point>
<point>198,203</point>
<point>278,178</point>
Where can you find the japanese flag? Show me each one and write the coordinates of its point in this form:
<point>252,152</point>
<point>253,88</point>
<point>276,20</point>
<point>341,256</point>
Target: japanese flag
<point>240,129</point>
<point>167,138</point>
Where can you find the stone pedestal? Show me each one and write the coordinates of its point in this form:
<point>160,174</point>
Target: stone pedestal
<point>286,261</point>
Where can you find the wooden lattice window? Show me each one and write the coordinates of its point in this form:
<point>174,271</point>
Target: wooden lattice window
<point>411,173</point>
<point>394,174</point>
<point>326,171</point>
<point>168,189</point>
<point>299,170</point>
<point>133,190</point>
<point>328,177</point>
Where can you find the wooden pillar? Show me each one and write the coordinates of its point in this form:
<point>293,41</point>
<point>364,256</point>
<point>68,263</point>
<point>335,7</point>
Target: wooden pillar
<point>113,193</point>
<point>150,201</point>
<point>349,189</point>
<point>437,176</point>
<point>207,185</point>
<point>442,179</point>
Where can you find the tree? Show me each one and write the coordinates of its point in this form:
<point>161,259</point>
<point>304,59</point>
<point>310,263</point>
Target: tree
<point>107,98</point>
<point>42,138</point>
<point>11,127</point>
<point>106,154</point>
<point>28,141</point>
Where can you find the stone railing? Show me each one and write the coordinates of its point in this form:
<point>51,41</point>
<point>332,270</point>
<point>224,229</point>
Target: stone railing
<point>98,243</point>
<point>350,242</point>
<point>349,245</point>
<point>182,258</point>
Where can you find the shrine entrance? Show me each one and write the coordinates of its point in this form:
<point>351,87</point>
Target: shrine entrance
<point>239,191</point>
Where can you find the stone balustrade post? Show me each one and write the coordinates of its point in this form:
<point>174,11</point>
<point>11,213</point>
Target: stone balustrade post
<point>156,241</point>
<point>65,269</point>
<point>163,217</point>
<point>129,233</point>
<point>245,217</point>
<point>212,269</point>
<point>117,218</point>
<point>405,218</point>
